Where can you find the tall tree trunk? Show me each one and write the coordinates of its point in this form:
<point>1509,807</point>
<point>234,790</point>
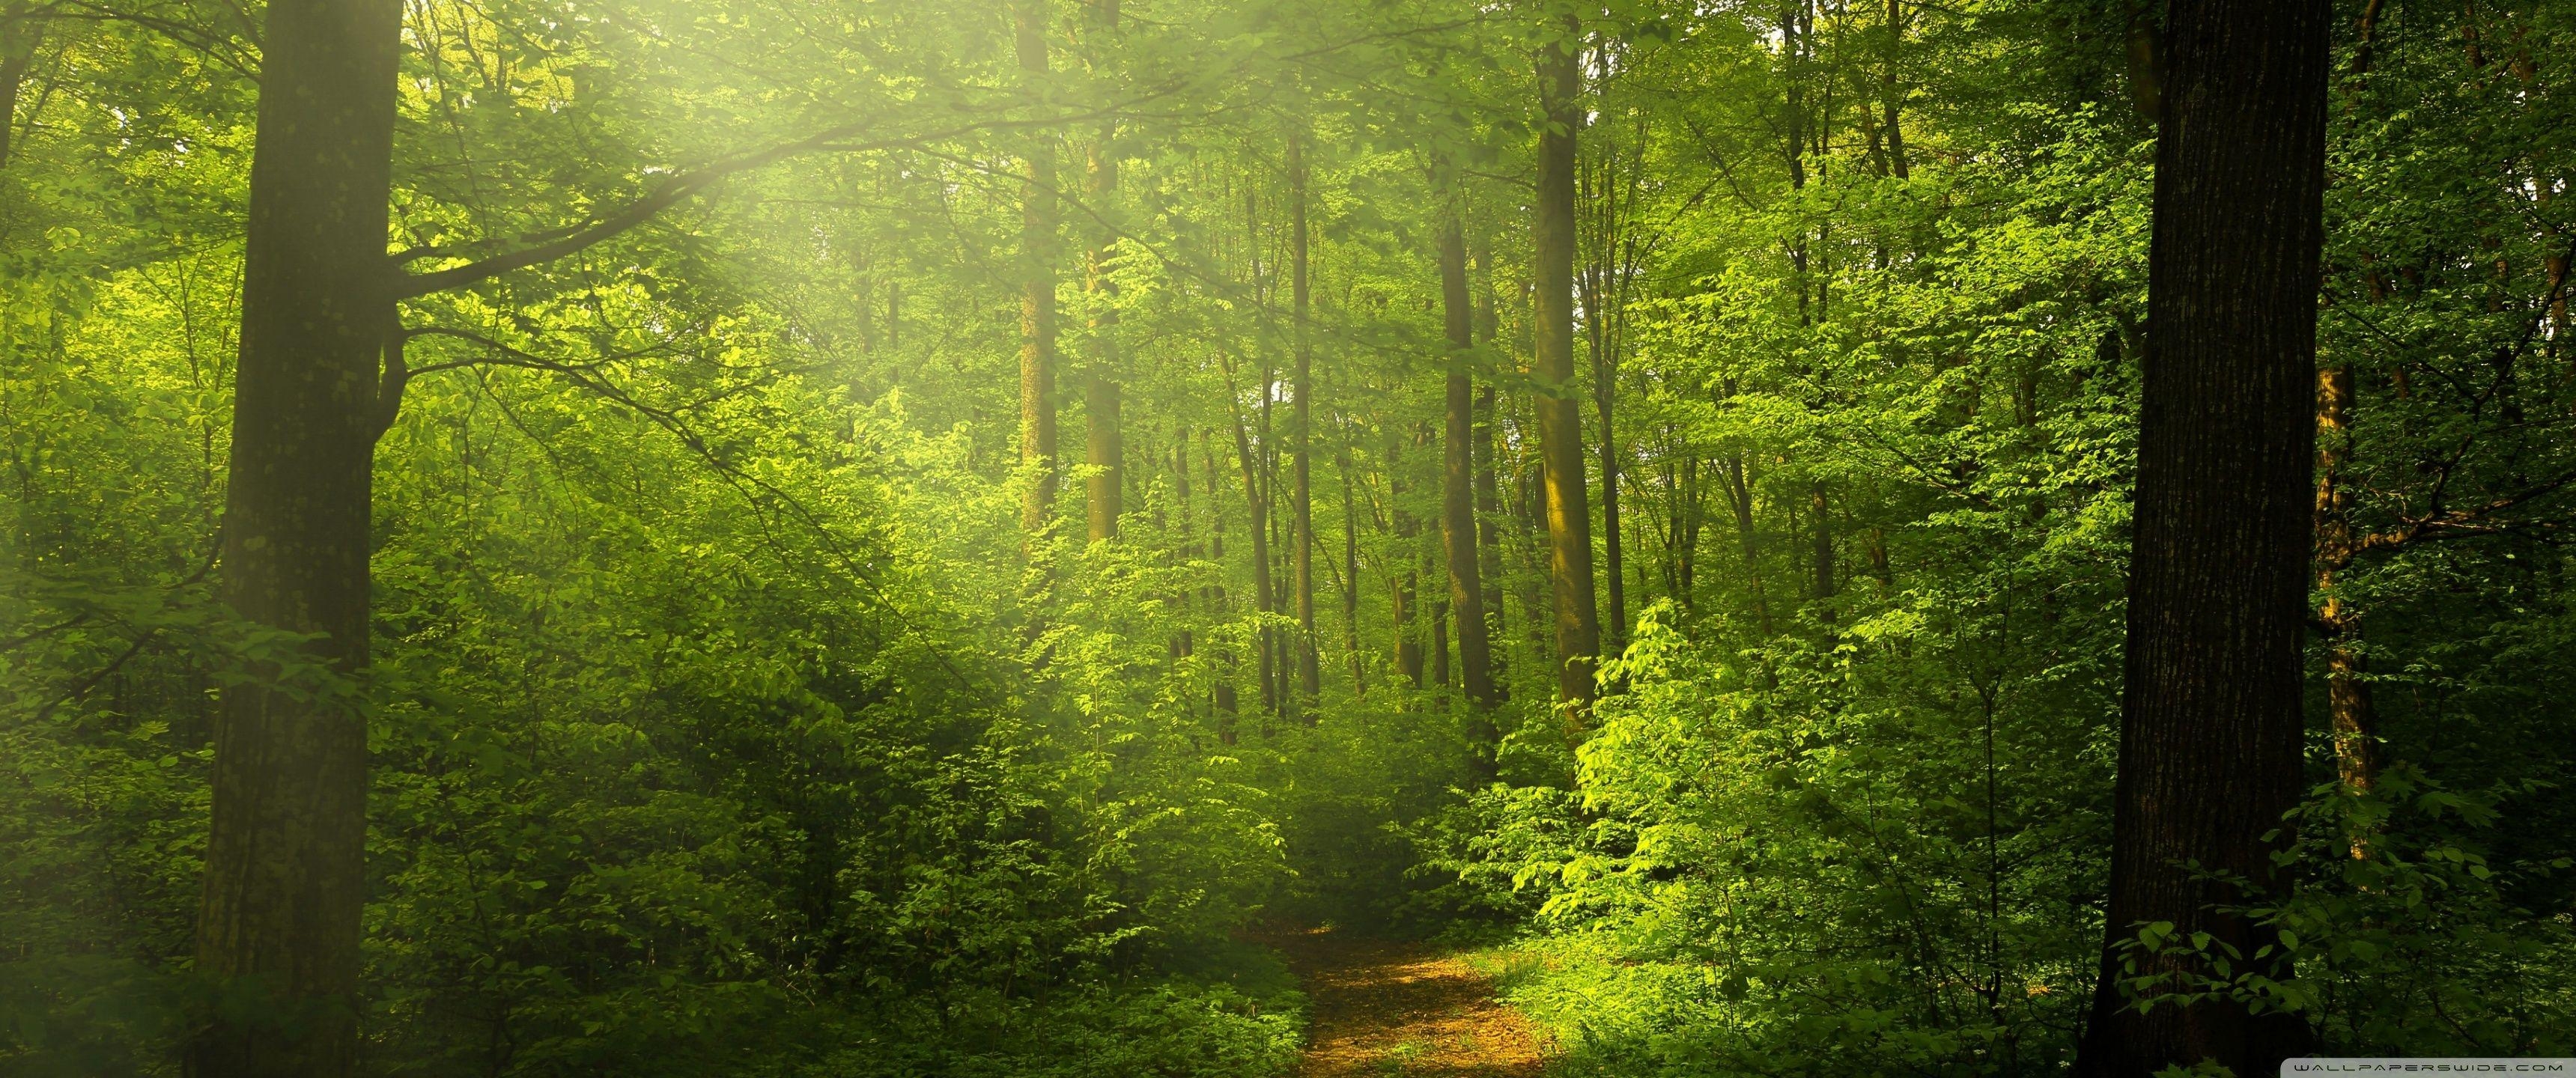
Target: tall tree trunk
<point>1407,584</point>
<point>1350,568</point>
<point>1597,287</point>
<point>2210,725</point>
<point>1489,498</point>
<point>1224,695</point>
<point>1605,387</point>
<point>1824,545</point>
<point>1530,505</point>
<point>1440,642</point>
<point>1104,448</point>
<point>1457,483</point>
<point>1257,508</point>
<point>285,880</point>
<point>1739,497</point>
<point>1560,419</point>
<point>20,33</point>
<point>1301,423</point>
<point>2348,704</point>
<point>1037,287</point>
<point>1261,471</point>
<point>2350,714</point>
<point>1188,547</point>
<point>1891,93</point>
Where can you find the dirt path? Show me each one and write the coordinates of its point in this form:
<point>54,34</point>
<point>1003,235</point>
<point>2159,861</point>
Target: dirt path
<point>1384,1009</point>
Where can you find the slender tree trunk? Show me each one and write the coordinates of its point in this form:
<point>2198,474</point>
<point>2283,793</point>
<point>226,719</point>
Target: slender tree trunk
<point>2211,730</point>
<point>278,927</point>
<point>1824,545</point>
<point>1189,550</point>
<point>1458,480</point>
<point>1350,568</point>
<point>1596,284</point>
<point>1560,419</point>
<point>1530,501</point>
<point>1301,423</point>
<point>2348,704</point>
<point>1104,447</point>
<point>1407,584</point>
<point>1037,288</point>
<point>1224,701</point>
<point>1256,507</point>
<point>1739,497</point>
<point>1440,642</point>
<point>1891,93</point>
<point>1686,527</point>
<point>1489,499</point>
<point>1612,554</point>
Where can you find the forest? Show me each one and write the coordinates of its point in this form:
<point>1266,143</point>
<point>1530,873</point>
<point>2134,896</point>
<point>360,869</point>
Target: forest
<point>1104,538</point>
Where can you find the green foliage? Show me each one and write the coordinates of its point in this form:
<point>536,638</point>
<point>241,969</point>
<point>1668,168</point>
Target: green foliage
<point>724,718</point>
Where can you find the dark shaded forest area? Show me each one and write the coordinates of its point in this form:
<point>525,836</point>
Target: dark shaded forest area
<point>855,538</point>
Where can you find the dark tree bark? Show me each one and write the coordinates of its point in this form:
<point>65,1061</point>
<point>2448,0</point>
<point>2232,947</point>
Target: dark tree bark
<point>1458,478</point>
<point>278,927</point>
<point>1560,418</point>
<point>1037,288</point>
<point>2210,724</point>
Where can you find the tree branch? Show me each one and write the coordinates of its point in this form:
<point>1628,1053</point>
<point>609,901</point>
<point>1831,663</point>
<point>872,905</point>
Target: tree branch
<point>681,187</point>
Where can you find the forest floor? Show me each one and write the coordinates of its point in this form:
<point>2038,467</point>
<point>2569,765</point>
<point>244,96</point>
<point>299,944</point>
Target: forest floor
<point>1383,1009</point>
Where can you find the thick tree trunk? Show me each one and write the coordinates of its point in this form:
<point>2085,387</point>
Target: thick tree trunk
<point>2210,730</point>
<point>285,862</point>
<point>1560,418</point>
<point>1301,424</point>
<point>1037,288</point>
<point>1457,483</point>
